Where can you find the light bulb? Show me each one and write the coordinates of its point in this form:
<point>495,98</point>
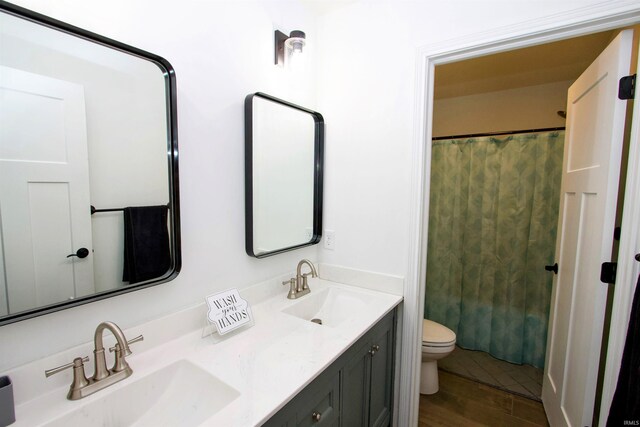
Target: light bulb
<point>297,46</point>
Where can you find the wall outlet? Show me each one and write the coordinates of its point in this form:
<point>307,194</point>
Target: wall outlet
<point>329,239</point>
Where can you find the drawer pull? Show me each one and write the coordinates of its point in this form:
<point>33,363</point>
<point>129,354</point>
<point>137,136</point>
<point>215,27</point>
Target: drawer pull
<point>316,416</point>
<point>374,349</point>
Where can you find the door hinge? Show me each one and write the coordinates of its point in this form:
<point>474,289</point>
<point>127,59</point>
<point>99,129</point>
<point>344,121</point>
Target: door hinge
<point>608,272</point>
<point>627,87</point>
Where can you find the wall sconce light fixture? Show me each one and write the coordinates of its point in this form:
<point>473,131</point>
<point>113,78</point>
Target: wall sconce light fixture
<point>288,45</point>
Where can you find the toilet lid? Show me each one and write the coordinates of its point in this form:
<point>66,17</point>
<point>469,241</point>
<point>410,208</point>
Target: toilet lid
<point>436,333</point>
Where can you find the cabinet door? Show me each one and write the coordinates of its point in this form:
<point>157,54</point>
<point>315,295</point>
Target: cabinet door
<point>319,404</point>
<point>355,388</point>
<point>381,387</point>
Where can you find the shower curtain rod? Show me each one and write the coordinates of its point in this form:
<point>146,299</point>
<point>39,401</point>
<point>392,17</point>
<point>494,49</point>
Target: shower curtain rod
<point>511,132</point>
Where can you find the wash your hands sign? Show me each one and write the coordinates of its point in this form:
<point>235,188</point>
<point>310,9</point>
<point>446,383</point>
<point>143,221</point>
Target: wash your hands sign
<point>228,311</point>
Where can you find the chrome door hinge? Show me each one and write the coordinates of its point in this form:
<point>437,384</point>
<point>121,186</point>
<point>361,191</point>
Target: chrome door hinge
<point>627,87</point>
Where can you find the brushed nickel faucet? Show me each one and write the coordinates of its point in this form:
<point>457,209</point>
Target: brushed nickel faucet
<point>102,377</point>
<point>298,286</point>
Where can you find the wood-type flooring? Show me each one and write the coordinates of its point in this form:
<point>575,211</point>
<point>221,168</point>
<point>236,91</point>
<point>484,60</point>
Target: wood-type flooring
<point>462,402</point>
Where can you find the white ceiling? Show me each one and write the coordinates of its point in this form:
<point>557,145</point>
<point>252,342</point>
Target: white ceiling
<point>553,62</point>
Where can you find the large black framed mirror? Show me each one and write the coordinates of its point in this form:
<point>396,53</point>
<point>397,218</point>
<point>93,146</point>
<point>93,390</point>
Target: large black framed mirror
<point>284,150</point>
<point>89,194</point>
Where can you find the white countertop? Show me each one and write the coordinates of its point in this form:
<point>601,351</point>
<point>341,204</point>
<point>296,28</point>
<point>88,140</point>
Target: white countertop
<point>267,364</point>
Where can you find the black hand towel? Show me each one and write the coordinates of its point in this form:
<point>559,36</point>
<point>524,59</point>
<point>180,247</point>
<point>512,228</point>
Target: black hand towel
<point>146,243</point>
<point>625,408</point>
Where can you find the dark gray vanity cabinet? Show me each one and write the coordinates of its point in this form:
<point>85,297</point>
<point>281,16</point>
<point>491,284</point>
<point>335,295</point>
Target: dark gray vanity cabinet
<point>367,378</point>
<point>356,390</point>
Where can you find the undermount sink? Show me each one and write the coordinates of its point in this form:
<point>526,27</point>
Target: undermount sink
<point>179,394</point>
<point>329,307</point>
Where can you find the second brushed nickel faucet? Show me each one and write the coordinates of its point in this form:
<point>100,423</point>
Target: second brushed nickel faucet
<point>298,286</point>
<point>102,377</point>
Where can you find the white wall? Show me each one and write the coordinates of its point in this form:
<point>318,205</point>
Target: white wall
<point>221,52</point>
<point>529,107</point>
<point>367,78</point>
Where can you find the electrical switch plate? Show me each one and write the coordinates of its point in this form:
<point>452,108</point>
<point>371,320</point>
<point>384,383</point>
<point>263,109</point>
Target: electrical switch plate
<point>329,239</point>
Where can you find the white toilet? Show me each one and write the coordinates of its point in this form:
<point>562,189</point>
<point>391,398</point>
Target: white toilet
<point>438,341</point>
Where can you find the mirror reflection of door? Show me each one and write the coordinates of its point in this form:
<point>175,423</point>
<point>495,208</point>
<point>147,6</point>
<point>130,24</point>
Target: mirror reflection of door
<point>44,191</point>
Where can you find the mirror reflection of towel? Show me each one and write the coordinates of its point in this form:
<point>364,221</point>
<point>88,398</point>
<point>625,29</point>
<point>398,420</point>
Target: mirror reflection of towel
<point>146,243</point>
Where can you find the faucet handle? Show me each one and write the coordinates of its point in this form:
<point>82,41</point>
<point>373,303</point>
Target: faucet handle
<point>120,364</point>
<point>78,361</point>
<point>292,287</point>
<point>79,381</point>
<point>131,341</point>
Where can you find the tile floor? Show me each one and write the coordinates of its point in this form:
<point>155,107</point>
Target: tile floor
<point>523,380</point>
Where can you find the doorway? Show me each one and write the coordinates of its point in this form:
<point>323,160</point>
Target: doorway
<point>511,39</point>
<point>497,149</point>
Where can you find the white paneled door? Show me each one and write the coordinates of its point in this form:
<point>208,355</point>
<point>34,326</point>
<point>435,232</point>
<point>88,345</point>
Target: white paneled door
<point>44,190</point>
<point>591,170</point>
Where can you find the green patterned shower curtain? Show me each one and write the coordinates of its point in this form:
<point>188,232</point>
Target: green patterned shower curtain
<point>493,214</point>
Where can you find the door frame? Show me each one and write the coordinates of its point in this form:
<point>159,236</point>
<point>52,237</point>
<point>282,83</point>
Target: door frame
<point>578,22</point>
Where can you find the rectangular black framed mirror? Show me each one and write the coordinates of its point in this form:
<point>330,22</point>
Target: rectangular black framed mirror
<point>89,189</point>
<point>284,150</point>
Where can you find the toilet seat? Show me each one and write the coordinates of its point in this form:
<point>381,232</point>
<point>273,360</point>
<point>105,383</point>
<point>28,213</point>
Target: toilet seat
<point>437,345</point>
<point>436,335</point>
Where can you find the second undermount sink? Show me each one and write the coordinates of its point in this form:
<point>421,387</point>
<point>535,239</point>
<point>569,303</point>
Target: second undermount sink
<point>329,307</point>
<point>179,394</point>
